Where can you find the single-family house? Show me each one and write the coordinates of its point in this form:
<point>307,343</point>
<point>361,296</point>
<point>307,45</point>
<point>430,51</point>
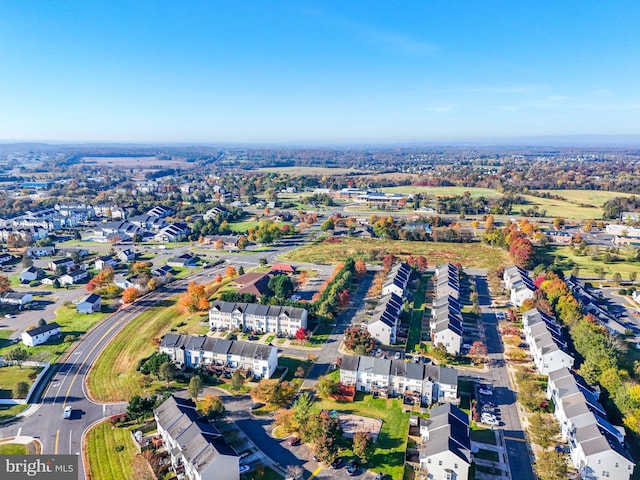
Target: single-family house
<point>16,299</point>
<point>105,261</point>
<point>40,335</point>
<point>89,304</point>
<point>162,271</point>
<point>126,255</point>
<point>73,277</point>
<point>184,260</point>
<point>30,274</point>
<point>34,252</point>
<point>61,262</point>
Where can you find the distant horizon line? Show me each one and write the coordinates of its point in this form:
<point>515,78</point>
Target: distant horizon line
<point>566,141</point>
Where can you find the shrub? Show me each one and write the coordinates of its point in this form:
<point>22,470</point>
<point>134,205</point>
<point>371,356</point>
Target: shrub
<point>69,338</point>
<point>118,448</point>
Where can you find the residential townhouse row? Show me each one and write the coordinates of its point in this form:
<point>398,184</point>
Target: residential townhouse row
<point>198,451</point>
<point>548,347</point>
<point>253,316</point>
<point>446,316</point>
<point>446,454</point>
<point>195,351</point>
<point>596,446</point>
<point>415,382</point>
<point>519,284</point>
<point>385,320</point>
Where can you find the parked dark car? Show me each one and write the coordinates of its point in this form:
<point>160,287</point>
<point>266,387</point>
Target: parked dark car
<point>352,468</point>
<point>293,441</point>
<point>337,463</point>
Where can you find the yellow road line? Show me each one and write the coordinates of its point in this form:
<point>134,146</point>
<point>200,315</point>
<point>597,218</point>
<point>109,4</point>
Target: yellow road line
<point>88,355</point>
<point>515,439</point>
<point>56,448</point>
<point>315,472</point>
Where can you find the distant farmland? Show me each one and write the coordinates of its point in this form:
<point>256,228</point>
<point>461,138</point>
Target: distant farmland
<point>149,161</point>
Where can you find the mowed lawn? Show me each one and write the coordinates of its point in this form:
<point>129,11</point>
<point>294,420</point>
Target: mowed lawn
<point>474,192</point>
<point>13,449</point>
<point>105,463</point>
<point>72,323</point>
<point>113,376</point>
<point>11,376</point>
<point>392,441</point>
<point>567,257</point>
<point>475,255</point>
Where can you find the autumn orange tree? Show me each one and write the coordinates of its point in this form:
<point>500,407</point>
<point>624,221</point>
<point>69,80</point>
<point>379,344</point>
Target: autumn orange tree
<point>194,298</point>
<point>230,271</point>
<point>5,284</point>
<point>102,279</point>
<point>130,294</point>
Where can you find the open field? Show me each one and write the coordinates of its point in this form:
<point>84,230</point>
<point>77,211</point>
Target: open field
<point>13,449</point>
<point>149,162</point>
<point>391,445</point>
<point>559,208</point>
<point>475,192</point>
<point>72,323</point>
<point>579,204</point>
<point>242,227</point>
<point>587,197</point>
<point>105,463</point>
<point>567,258</point>
<point>308,170</point>
<point>10,376</point>
<point>475,255</point>
<point>113,376</point>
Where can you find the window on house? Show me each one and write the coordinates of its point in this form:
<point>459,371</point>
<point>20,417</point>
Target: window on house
<point>440,462</point>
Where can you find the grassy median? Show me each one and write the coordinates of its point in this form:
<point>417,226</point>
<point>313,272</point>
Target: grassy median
<point>114,376</point>
<point>110,451</point>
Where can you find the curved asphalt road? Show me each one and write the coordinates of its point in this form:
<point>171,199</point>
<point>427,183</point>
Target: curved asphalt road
<point>67,387</point>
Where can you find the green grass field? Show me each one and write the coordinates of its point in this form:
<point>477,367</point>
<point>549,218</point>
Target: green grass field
<point>11,376</point>
<point>475,192</point>
<point>242,227</point>
<point>113,376</point>
<point>469,254</point>
<point>299,171</point>
<point>105,463</point>
<point>567,257</point>
<point>578,204</point>
<point>392,441</point>
<point>587,197</point>
<point>72,323</point>
<point>415,327</point>
<point>10,411</point>
<point>13,449</point>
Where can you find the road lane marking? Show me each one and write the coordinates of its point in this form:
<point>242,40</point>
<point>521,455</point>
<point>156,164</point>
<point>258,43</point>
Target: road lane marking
<point>19,432</point>
<point>515,439</point>
<point>115,324</point>
<point>70,432</point>
<point>57,437</point>
<point>315,472</point>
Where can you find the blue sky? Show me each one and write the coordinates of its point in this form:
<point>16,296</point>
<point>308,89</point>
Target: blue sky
<point>320,72</point>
